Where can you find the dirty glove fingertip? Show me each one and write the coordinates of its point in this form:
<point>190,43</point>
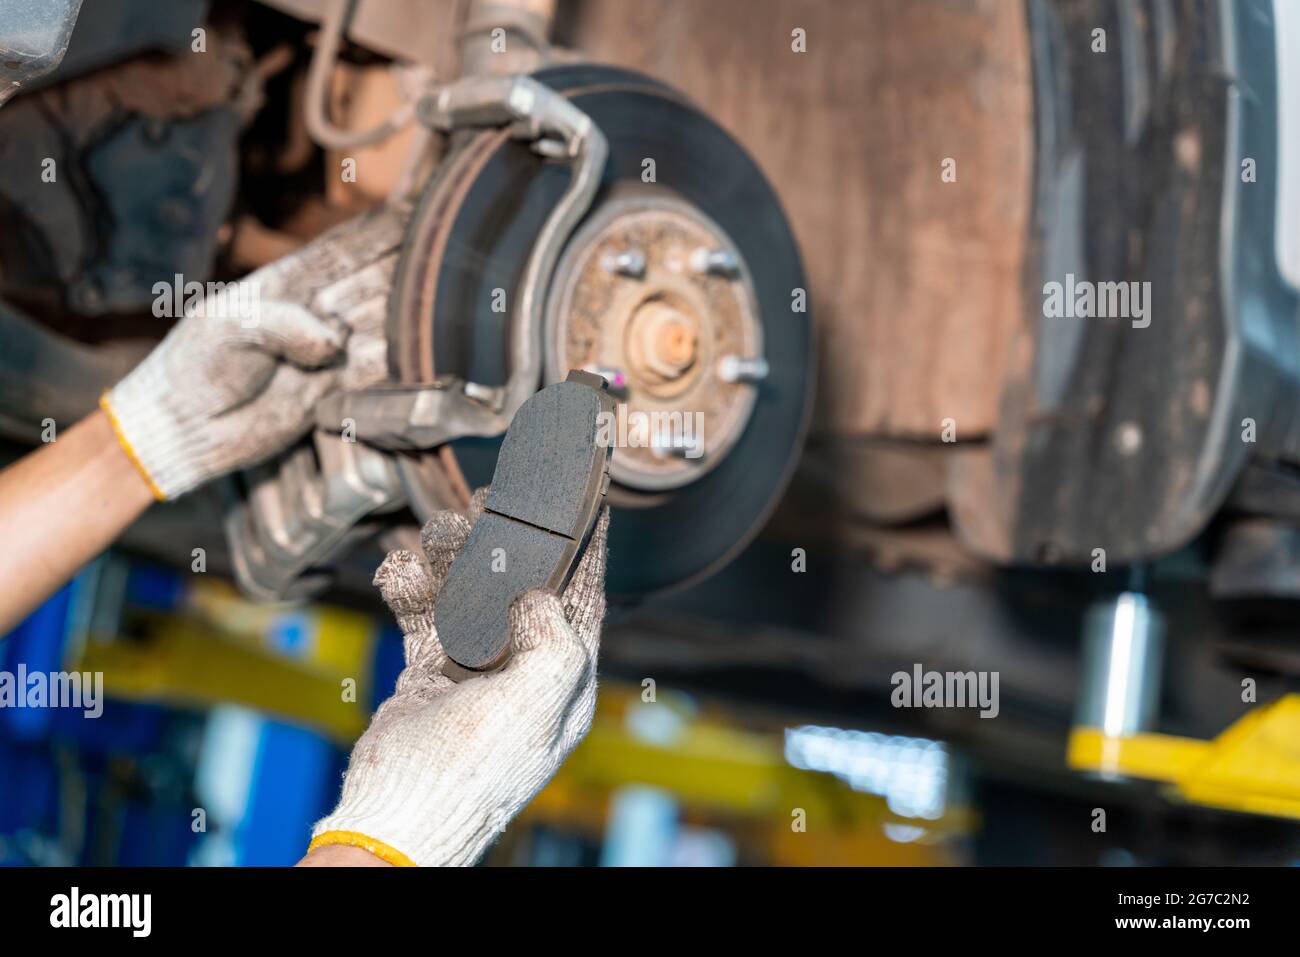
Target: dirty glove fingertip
<point>404,581</point>
<point>477,502</point>
<point>295,333</point>
<point>442,538</point>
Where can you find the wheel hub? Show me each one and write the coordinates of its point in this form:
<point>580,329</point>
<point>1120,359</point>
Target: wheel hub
<point>635,299</point>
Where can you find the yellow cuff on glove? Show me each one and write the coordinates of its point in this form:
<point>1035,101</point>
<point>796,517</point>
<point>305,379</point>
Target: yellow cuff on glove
<point>126,447</point>
<point>355,839</point>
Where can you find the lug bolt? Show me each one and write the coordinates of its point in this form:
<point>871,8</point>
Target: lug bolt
<point>715,262</point>
<point>736,369</point>
<point>677,451</point>
<point>630,262</point>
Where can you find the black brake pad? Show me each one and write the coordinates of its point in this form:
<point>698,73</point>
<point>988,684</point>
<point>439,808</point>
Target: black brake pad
<point>551,477</point>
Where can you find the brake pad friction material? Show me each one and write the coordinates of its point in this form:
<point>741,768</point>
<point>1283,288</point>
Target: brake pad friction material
<point>550,481</point>
<point>543,483</point>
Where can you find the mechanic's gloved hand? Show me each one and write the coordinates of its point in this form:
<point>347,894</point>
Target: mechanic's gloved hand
<point>443,766</point>
<point>230,387</point>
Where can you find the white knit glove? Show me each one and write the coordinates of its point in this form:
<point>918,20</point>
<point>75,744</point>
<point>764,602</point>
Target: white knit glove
<point>235,380</point>
<point>443,766</point>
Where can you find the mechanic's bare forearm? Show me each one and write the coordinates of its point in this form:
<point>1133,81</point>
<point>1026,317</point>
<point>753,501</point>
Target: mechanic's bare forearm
<point>340,855</point>
<point>61,506</point>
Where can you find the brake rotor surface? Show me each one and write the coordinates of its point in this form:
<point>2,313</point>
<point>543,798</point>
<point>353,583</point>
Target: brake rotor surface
<point>675,520</point>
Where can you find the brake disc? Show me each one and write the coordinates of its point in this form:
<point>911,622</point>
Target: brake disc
<point>680,284</point>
